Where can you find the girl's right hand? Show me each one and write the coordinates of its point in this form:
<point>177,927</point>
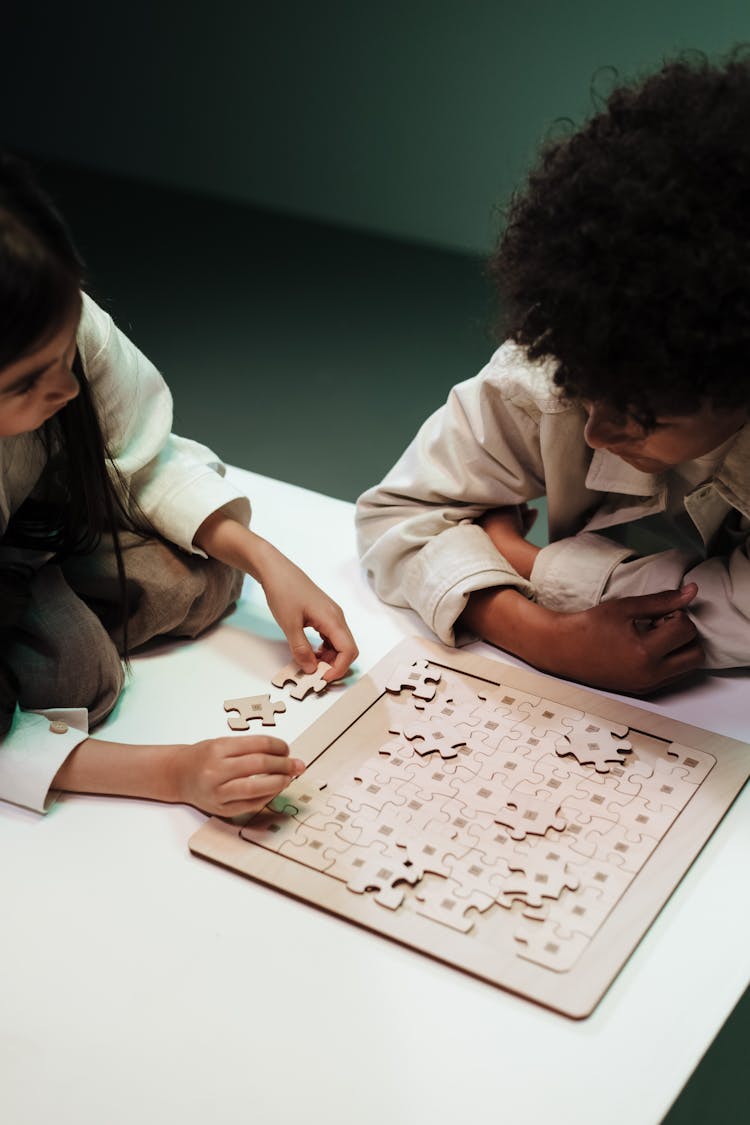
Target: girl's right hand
<point>231,776</point>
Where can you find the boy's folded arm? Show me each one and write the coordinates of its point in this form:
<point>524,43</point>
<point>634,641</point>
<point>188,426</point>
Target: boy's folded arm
<point>416,532</point>
<point>586,570</point>
<point>634,644</point>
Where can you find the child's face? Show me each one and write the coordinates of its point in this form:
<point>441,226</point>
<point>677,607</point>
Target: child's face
<point>34,388</point>
<point>674,438</point>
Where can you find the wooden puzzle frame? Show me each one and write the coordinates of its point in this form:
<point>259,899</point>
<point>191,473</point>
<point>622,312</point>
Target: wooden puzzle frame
<point>576,991</point>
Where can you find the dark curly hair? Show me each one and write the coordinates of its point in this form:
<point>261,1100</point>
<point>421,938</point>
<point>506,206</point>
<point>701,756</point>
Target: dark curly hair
<point>626,258</point>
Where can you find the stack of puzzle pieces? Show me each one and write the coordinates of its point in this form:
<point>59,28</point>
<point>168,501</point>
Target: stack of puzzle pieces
<point>475,801</point>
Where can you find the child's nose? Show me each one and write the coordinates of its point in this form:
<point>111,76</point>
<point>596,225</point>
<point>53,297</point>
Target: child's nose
<point>602,428</point>
<point>64,388</point>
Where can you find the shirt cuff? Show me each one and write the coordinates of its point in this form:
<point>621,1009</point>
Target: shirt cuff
<point>187,509</point>
<point>33,750</point>
<point>571,574</point>
<point>451,566</point>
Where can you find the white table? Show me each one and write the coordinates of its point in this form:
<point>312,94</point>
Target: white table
<point>141,985</point>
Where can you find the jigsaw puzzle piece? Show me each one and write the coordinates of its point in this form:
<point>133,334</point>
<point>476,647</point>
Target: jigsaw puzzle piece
<point>441,901</point>
<point>419,677</point>
<point>304,682</point>
<point>524,815</point>
<point>592,743</point>
<point>464,822</point>
<point>637,818</point>
<point>582,912</point>
<point>317,850</point>
<point>537,872</point>
<point>369,869</point>
<point>693,765</point>
<point>669,791</point>
<point>471,872</point>
<point>546,717</point>
<point>271,828</point>
<point>253,707</point>
<point>431,735</point>
<point>542,943</point>
<point>542,779</point>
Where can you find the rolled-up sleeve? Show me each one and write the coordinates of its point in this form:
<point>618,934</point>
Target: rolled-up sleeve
<point>416,532</point>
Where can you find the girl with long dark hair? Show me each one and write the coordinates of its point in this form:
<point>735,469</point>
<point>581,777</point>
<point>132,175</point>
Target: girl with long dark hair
<point>113,531</point>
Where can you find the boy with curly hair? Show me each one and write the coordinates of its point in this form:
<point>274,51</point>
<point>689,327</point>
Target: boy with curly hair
<point>621,392</point>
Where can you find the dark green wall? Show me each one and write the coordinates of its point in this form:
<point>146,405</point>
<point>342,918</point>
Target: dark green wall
<point>406,118</point>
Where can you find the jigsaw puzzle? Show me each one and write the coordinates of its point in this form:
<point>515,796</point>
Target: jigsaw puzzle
<point>520,828</point>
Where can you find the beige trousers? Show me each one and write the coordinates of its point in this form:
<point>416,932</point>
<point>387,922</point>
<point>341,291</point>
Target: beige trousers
<point>68,647</point>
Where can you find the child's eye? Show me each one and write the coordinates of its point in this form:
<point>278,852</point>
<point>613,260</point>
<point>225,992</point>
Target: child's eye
<point>28,386</point>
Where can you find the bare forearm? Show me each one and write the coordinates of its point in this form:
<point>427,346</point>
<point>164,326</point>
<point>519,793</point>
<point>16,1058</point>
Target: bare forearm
<point>508,619</point>
<point>122,770</point>
<point>232,543</point>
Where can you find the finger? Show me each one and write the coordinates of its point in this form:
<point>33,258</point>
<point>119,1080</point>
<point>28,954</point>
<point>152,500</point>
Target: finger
<point>682,663</point>
<point>658,605</point>
<point>670,634</point>
<point>263,788</point>
<point>253,744</point>
<point>345,656</point>
<point>252,765</point>
<point>301,650</point>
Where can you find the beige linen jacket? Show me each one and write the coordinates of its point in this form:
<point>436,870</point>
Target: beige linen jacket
<point>506,436</point>
<point>176,483</point>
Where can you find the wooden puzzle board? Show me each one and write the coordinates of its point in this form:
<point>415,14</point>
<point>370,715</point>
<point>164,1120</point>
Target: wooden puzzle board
<point>522,829</point>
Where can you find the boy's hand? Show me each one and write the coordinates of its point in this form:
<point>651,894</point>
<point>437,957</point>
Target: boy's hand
<point>507,528</point>
<point>636,644</point>
<point>231,776</point>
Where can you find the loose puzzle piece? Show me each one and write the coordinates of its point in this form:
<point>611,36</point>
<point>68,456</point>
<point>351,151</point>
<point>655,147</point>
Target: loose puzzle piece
<point>525,814</point>
<point>432,735</point>
<point>594,745</point>
<point>253,707</point>
<point>304,682</point>
<point>419,677</point>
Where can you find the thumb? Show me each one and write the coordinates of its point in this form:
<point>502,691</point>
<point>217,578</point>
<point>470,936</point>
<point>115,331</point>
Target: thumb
<point>301,650</point>
<point>666,601</point>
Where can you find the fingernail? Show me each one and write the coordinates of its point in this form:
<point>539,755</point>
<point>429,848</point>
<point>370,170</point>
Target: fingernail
<point>299,765</point>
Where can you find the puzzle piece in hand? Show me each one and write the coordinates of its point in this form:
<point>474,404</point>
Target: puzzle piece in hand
<point>593,745</point>
<point>304,682</point>
<point>253,707</point>
<point>414,676</point>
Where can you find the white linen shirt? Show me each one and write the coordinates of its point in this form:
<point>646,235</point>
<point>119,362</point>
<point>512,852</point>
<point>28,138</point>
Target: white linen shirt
<point>505,437</point>
<point>176,483</point>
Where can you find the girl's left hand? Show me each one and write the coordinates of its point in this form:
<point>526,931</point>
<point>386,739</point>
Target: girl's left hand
<point>296,603</point>
<point>293,598</point>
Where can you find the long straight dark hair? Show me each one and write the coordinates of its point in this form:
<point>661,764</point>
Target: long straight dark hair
<point>41,277</point>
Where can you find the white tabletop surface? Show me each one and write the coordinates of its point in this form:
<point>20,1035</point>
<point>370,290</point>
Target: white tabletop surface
<point>140,984</point>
